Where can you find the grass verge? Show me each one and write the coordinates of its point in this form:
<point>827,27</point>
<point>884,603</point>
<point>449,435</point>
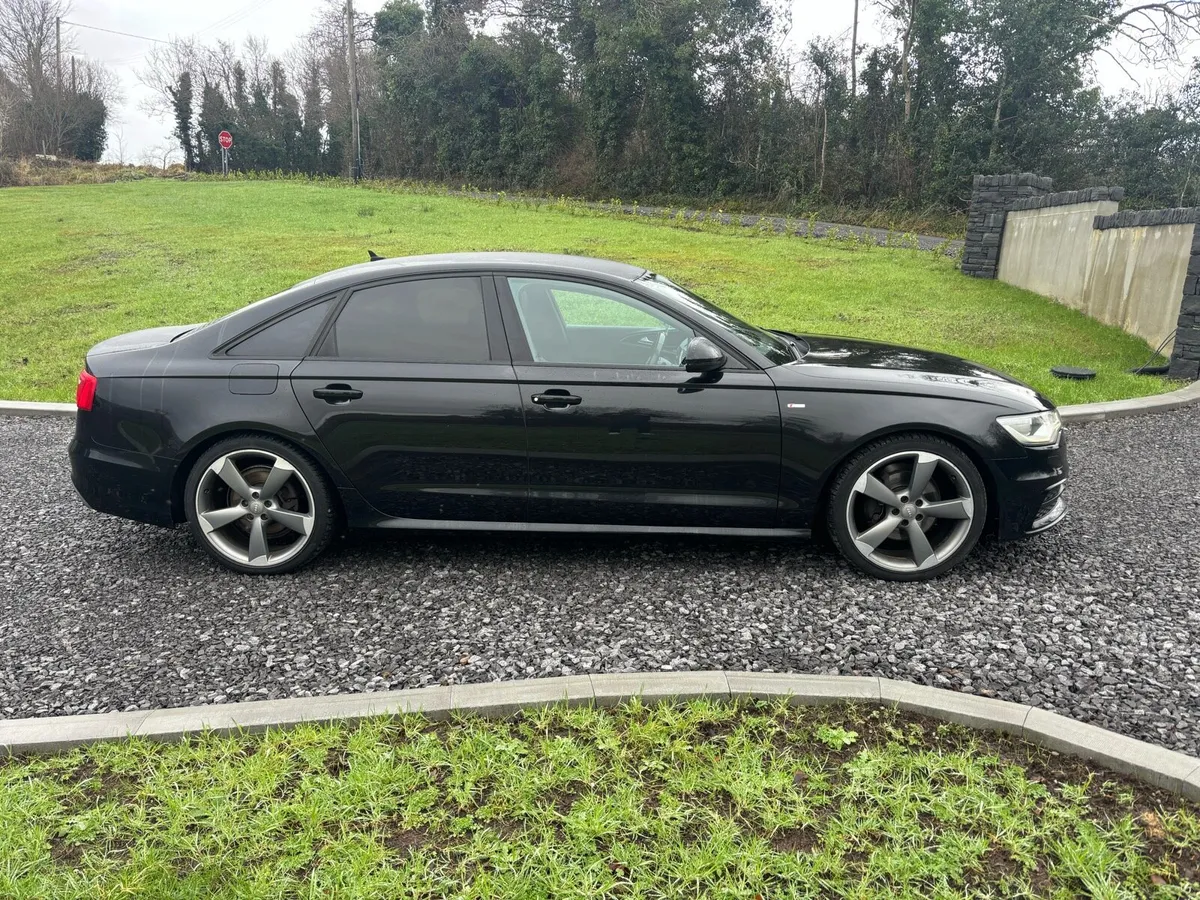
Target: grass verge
<point>750,800</point>
<point>82,263</point>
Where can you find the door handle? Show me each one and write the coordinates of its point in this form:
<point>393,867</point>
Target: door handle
<point>556,399</point>
<point>337,393</point>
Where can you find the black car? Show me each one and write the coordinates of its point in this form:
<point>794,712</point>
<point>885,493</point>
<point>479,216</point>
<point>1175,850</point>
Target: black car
<point>531,392</point>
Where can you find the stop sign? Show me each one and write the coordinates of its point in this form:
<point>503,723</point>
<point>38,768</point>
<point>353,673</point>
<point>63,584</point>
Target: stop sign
<point>225,139</point>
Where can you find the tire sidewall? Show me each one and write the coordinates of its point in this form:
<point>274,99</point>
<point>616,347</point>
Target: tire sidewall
<point>870,456</point>
<point>324,514</point>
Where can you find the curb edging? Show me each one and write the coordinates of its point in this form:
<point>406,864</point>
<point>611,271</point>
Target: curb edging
<point>1072,415</point>
<point>1168,769</point>
<point>35,410</point>
<point>1137,406</point>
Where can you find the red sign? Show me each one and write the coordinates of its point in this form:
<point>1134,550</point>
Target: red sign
<point>225,139</point>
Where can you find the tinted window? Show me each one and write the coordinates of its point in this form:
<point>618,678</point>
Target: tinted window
<point>436,320</point>
<point>286,339</point>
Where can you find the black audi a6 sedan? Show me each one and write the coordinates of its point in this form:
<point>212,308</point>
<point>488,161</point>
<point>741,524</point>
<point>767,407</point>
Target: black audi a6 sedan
<point>529,392</point>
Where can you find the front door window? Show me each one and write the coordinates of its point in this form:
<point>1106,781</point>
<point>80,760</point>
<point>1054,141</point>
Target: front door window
<point>569,323</point>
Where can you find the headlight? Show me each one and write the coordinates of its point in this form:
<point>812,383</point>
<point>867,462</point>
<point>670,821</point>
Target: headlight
<point>1040,429</point>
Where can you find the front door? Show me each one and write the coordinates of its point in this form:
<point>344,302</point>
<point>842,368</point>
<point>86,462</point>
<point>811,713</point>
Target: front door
<point>412,393</point>
<point>618,431</point>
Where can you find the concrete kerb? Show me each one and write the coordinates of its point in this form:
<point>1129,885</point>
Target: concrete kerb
<point>35,410</point>
<point>1138,406</point>
<point>1084,412</point>
<point>1167,769</point>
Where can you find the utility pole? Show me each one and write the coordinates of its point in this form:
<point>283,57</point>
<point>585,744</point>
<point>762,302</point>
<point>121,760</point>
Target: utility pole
<point>356,137</point>
<point>58,85</point>
<point>854,54</point>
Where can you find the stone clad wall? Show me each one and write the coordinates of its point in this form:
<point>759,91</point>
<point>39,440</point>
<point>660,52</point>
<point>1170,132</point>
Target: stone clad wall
<point>1139,270</point>
<point>991,198</point>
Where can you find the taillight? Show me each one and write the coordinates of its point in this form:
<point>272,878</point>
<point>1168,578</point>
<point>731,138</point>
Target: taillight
<point>85,391</point>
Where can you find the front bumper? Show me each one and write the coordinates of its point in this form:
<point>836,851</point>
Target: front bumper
<point>122,483</point>
<point>1030,491</point>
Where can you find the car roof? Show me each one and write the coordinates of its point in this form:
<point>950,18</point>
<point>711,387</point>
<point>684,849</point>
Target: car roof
<point>452,262</point>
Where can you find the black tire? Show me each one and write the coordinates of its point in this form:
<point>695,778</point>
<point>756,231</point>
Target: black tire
<point>954,480</point>
<point>304,496</point>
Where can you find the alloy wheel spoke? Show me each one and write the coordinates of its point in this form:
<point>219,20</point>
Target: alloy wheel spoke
<point>276,479</point>
<point>300,523</point>
<point>218,518</point>
<point>877,490</point>
<point>258,551</point>
<point>229,473</point>
<point>877,534</point>
<point>923,470</point>
<point>961,508</point>
<point>920,545</point>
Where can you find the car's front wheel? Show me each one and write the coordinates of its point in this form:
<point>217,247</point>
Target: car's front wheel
<point>907,507</point>
<point>258,505</point>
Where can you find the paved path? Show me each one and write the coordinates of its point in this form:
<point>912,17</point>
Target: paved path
<point>1099,619</point>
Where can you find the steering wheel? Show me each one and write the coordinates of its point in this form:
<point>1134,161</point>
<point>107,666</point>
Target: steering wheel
<point>662,339</point>
<point>653,338</point>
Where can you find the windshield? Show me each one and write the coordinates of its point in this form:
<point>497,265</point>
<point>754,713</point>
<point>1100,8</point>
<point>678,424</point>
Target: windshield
<point>772,346</point>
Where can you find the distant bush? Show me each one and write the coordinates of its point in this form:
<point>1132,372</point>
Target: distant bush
<point>36,171</point>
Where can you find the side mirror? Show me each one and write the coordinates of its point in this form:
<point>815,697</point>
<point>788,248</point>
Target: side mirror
<point>702,355</point>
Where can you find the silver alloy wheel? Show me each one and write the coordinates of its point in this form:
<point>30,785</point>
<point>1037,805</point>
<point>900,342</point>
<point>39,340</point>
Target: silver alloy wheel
<point>910,511</point>
<point>254,507</point>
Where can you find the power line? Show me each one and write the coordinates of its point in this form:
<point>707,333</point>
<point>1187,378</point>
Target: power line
<point>232,19</point>
<point>235,17</point>
<point>140,37</point>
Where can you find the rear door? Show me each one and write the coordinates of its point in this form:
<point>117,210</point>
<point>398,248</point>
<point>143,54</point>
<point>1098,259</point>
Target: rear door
<point>619,433</point>
<point>412,392</point>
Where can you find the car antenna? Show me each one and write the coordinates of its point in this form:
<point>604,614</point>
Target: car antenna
<point>374,257</point>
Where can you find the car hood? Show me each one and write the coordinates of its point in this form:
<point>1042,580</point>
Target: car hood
<point>140,340</point>
<point>852,363</point>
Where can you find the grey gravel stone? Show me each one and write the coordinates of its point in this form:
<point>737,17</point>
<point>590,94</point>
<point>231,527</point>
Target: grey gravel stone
<point>1099,619</point>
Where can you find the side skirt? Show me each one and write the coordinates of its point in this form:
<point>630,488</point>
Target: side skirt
<point>569,528</point>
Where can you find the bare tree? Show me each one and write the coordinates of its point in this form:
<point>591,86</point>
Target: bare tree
<point>28,58</point>
<point>164,64</point>
<point>1156,31</point>
<point>120,149</point>
<point>160,156</point>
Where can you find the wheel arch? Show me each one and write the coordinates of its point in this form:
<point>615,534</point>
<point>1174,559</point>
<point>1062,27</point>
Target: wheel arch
<point>971,450</point>
<point>205,442</point>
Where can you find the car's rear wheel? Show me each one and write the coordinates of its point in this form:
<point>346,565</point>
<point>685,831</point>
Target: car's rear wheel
<point>258,505</point>
<point>907,508</point>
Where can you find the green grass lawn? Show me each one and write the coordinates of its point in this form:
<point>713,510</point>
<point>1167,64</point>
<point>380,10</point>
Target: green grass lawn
<point>706,800</point>
<point>82,263</point>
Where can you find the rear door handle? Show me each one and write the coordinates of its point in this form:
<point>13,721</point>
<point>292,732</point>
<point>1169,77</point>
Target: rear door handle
<point>556,399</point>
<point>337,393</point>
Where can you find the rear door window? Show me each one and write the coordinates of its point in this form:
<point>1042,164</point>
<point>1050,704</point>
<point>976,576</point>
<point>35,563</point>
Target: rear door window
<point>435,320</point>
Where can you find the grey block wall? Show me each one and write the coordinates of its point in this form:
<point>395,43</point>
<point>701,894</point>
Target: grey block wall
<point>1185,360</point>
<point>991,198</point>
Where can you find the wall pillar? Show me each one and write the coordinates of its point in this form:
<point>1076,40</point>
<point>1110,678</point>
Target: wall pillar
<point>991,198</point>
<point>1185,358</point>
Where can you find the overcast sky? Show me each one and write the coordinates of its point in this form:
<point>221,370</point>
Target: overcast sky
<point>282,21</point>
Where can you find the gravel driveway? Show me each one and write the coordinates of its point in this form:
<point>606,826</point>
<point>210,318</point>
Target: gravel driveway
<point>1099,619</point>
